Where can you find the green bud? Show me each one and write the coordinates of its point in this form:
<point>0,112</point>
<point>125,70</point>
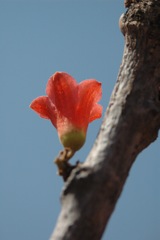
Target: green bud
<point>74,139</point>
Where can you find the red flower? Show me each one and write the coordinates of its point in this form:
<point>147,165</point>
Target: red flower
<point>70,107</point>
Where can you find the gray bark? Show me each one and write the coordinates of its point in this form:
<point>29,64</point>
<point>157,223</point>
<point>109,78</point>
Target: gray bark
<point>131,123</point>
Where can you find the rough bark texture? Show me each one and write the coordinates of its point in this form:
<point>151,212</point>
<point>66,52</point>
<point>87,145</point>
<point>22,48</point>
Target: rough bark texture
<point>131,123</point>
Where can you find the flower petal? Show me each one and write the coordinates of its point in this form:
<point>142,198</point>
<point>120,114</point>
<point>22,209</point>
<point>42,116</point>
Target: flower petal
<point>44,108</point>
<point>96,112</point>
<point>39,105</point>
<point>89,94</point>
<point>62,90</point>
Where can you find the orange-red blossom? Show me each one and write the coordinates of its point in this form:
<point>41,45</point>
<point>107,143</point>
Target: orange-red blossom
<point>70,106</point>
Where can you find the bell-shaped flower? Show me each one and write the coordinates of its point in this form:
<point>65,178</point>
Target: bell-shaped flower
<point>70,106</point>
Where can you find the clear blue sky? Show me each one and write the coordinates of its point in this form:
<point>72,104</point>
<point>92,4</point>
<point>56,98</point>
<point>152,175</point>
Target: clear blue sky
<point>82,38</point>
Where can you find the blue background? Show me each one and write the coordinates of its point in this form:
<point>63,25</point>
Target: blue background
<point>82,38</point>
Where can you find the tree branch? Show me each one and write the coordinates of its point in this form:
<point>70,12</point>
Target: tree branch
<point>131,123</point>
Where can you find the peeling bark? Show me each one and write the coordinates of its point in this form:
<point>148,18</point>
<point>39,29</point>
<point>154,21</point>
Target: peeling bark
<point>131,123</point>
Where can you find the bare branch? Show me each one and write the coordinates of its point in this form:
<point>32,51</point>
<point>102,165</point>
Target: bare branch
<point>131,123</point>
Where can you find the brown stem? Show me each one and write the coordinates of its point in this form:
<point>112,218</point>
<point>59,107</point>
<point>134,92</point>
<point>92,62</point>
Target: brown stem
<point>131,123</point>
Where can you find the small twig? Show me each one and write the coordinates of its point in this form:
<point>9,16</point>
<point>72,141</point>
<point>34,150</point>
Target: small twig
<point>62,162</point>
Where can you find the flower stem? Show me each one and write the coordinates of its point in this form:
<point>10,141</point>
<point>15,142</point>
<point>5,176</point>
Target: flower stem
<point>64,167</point>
